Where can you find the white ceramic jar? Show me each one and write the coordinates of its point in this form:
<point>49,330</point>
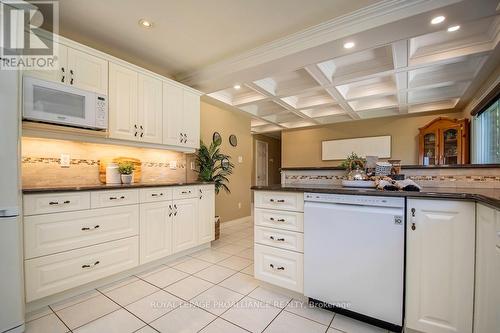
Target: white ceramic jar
<point>112,174</point>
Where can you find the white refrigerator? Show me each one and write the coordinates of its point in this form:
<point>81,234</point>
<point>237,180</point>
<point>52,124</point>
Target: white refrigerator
<point>11,249</point>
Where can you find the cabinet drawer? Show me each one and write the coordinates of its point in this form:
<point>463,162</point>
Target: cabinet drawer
<point>101,199</point>
<point>279,219</point>
<point>58,272</point>
<point>55,202</point>
<point>280,267</point>
<point>287,240</point>
<point>293,201</point>
<point>52,233</point>
<point>184,192</point>
<point>155,194</point>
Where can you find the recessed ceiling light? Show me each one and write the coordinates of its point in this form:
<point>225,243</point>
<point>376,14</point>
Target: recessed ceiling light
<point>145,23</point>
<point>349,45</point>
<point>453,28</point>
<point>438,19</point>
<point>236,86</point>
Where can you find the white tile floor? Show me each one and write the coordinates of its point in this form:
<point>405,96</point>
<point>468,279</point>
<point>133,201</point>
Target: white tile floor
<point>211,291</point>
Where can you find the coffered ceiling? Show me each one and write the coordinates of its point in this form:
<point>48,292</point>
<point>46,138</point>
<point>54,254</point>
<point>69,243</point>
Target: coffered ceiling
<point>420,74</point>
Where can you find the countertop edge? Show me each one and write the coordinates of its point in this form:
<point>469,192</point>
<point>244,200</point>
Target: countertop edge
<point>103,187</point>
<point>476,197</point>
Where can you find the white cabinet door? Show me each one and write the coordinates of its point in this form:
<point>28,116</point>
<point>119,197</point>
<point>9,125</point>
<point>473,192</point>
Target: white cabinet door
<point>206,224</point>
<point>487,300</point>
<point>440,266</point>
<point>150,109</point>
<point>59,74</point>
<point>88,72</point>
<point>172,115</point>
<point>122,103</point>
<point>155,231</point>
<point>191,119</point>
<point>185,226</point>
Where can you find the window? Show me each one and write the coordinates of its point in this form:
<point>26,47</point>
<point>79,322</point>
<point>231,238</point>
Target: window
<point>486,135</point>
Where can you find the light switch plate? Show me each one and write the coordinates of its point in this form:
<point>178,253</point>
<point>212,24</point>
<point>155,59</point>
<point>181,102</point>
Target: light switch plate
<point>65,161</point>
<point>240,159</point>
<point>193,166</point>
<point>173,165</point>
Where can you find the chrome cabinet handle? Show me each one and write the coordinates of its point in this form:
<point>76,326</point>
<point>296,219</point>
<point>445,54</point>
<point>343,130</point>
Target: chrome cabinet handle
<point>186,192</point>
<point>63,78</point>
<point>413,225</point>
<point>280,268</point>
<point>175,211</point>
<point>52,203</point>
<point>115,198</point>
<point>88,229</point>
<point>279,200</point>
<point>91,265</point>
<point>169,210</point>
<point>156,194</point>
<point>276,239</point>
<point>72,79</point>
<point>278,220</point>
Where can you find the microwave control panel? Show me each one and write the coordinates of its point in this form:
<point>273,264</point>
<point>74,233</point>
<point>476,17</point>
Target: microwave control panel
<point>101,116</point>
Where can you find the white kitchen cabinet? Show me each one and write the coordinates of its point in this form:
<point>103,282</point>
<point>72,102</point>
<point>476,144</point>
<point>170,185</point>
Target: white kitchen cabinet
<point>78,69</point>
<point>487,288</point>
<point>155,231</point>
<point>123,122</point>
<point>206,224</point>
<point>181,116</point>
<point>87,72</point>
<point>440,265</point>
<point>149,110</point>
<point>185,224</point>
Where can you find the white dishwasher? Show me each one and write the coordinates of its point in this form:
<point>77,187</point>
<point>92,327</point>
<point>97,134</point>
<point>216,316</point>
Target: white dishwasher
<point>354,249</point>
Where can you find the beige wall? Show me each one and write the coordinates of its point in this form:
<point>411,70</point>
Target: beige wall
<point>217,117</point>
<point>274,158</point>
<point>302,147</point>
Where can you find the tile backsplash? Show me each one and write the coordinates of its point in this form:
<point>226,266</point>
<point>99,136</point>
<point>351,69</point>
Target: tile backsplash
<point>41,162</point>
<point>463,177</point>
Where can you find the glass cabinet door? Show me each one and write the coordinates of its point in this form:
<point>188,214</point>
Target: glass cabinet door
<point>430,149</point>
<point>450,146</point>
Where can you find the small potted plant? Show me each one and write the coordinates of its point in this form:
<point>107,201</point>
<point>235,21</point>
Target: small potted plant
<point>126,171</point>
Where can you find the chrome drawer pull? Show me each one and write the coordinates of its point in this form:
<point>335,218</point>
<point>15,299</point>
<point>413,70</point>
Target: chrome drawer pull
<point>54,203</point>
<point>115,198</point>
<point>278,220</point>
<point>276,239</point>
<point>279,200</point>
<point>92,265</point>
<point>281,268</point>
<point>156,194</point>
<point>94,228</point>
<point>186,192</point>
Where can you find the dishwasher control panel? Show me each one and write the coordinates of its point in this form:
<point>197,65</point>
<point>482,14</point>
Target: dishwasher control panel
<point>346,199</point>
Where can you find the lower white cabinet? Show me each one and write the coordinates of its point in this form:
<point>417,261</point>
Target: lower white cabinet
<point>487,293</point>
<point>206,224</point>
<point>51,274</point>
<point>440,265</point>
<point>155,231</point>
<point>185,224</point>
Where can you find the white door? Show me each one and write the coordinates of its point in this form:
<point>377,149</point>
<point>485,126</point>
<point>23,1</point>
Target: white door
<point>150,109</point>
<point>261,168</point>
<point>487,300</point>
<point>172,115</point>
<point>440,265</point>
<point>59,74</point>
<point>87,72</point>
<point>155,231</point>
<point>185,225</point>
<point>206,224</point>
<point>123,122</point>
<point>191,119</point>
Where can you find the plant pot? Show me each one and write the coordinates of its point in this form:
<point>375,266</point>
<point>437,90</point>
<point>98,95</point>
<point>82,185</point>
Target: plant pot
<point>217,227</point>
<point>127,179</point>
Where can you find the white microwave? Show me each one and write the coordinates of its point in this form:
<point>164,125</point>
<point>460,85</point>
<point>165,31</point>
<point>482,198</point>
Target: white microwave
<point>53,102</point>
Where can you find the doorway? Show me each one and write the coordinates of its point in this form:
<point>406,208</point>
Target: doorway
<point>261,160</point>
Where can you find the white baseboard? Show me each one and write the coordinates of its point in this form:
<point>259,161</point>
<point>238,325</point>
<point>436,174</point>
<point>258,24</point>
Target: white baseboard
<point>237,221</point>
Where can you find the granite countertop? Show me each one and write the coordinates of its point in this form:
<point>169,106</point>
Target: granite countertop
<point>489,196</point>
<point>98,187</point>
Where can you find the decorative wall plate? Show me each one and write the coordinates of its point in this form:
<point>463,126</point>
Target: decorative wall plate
<point>233,140</point>
<point>216,136</point>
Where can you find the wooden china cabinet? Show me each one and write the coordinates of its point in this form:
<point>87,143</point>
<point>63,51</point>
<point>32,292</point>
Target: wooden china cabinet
<point>444,141</point>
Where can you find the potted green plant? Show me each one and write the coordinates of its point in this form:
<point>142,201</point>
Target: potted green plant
<point>126,170</point>
<point>215,167</point>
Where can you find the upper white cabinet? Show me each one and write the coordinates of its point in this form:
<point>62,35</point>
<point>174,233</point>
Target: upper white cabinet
<point>487,300</point>
<point>206,208</point>
<point>181,116</point>
<point>87,72</point>
<point>135,105</point>
<point>440,265</point>
<point>78,69</point>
